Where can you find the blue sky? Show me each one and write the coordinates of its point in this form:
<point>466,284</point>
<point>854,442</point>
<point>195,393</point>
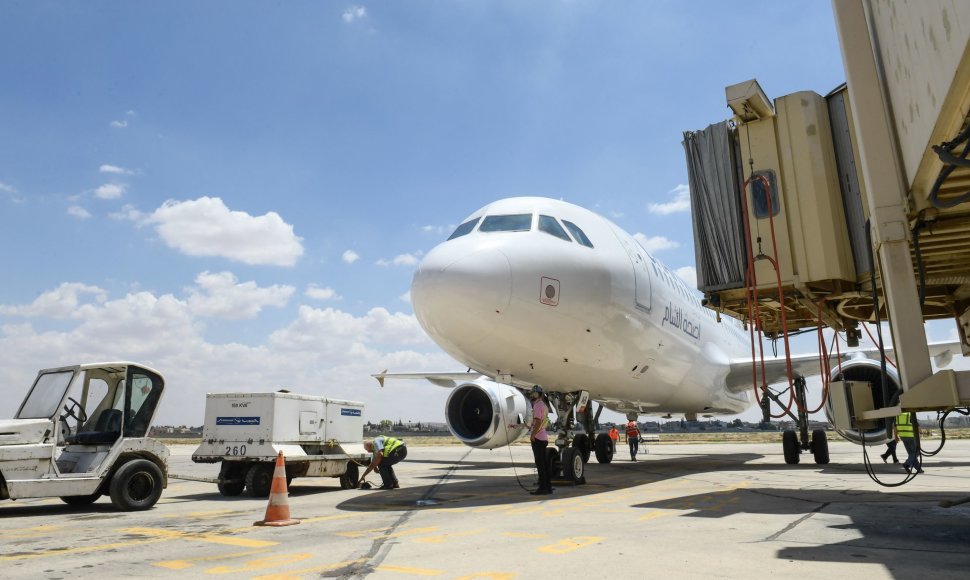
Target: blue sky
<point>238,192</point>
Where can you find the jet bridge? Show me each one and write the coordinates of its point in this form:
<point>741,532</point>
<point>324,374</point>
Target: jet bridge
<point>784,192</point>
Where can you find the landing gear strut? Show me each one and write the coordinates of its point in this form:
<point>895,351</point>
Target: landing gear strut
<point>569,462</point>
<point>792,444</point>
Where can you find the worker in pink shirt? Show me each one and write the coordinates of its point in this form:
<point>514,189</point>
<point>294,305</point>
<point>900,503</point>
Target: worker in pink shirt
<point>540,439</point>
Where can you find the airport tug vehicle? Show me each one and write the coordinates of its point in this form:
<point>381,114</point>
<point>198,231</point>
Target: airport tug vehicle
<point>81,433</point>
<point>319,437</point>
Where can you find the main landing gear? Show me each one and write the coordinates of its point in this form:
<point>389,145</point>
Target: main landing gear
<point>794,443</point>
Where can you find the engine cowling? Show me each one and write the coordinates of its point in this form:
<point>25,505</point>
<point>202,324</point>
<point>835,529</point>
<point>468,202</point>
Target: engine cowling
<point>869,371</point>
<point>484,414</point>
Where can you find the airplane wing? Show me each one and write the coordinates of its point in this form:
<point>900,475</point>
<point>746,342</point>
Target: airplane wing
<point>447,380</point>
<point>807,365</point>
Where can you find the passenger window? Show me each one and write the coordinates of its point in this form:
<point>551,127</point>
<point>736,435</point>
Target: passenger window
<point>549,225</point>
<point>507,223</point>
<point>578,234</point>
<point>464,229</point>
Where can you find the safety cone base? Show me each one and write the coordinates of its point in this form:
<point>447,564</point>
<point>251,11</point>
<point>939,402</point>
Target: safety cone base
<point>276,523</point>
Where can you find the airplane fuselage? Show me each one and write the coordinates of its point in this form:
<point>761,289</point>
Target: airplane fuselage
<point>539,291</point>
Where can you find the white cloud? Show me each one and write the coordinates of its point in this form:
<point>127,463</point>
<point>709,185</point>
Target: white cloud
<point>110,191</point>
<point>655,243</point>
<point>317,293</point>
<point>61,302</point>
<point>78,212</point>
<point>437,230</point>
<point>119,124</point>
<point>688,274</point>
<point>106,168</point>
<point>128,212</point>
<point>321,352</point>
<point>206,227</point>
<point>220,295</point>
<point>354,13</point>
<point>400,260</point>
<point>7,188</point>
<point>680,202</point>
<point>406,297</point>
<point>350,256</point>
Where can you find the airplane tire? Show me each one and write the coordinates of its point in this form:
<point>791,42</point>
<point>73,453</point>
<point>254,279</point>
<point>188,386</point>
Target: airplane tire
<point>136,485</point>
<point>581,444</point>
<point>820,447</point>
<point>79,500</point>
<point>789,444</point>
<point>259,479</point>
<point>349,479</point>
<point>604,448</point>
<point>572,465</point>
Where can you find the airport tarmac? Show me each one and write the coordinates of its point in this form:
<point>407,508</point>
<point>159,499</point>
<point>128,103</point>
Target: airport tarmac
<point>680,511</point>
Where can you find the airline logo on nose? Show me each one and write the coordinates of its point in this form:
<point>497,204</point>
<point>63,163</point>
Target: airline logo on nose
<point>549,291</point>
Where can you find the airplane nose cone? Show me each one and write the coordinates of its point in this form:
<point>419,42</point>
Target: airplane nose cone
<point>464,298</point>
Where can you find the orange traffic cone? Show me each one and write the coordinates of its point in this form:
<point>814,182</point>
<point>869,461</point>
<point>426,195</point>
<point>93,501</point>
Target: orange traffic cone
<point>278,510</point>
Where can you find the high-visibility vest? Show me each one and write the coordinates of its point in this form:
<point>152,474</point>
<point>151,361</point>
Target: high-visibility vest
<point>390,444</point>
<point>632,430</point>
<point>904,426</point>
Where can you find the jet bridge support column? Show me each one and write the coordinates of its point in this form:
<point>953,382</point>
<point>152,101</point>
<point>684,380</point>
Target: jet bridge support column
<point>885,189</point>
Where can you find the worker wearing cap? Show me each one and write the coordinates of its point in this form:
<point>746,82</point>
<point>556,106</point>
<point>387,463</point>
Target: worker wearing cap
<point>385,451</point>
<point>540,439</point>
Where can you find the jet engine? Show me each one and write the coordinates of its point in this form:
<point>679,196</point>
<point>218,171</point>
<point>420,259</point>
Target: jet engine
<point>485,414</point>
<point>865,370</point>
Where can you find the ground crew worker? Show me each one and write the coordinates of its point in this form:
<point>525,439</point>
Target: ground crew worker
<point>385,452</point>
<point>540,440</point>
<point>906,431</point>
<point>633,438</point>
<point>614,436</point>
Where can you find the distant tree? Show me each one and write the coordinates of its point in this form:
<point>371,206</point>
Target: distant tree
<point>737,423</point>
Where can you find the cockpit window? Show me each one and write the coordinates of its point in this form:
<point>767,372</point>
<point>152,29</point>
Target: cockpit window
<point>549,225</point>
<point>507,223</point>
<point>578,234</point>
<point>464,228</point>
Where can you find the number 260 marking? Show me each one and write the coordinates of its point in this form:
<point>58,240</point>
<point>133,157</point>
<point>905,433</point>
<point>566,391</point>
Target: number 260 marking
<point>236,450</point>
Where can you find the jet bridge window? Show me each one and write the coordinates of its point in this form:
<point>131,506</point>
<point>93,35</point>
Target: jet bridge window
<point>464,228</point>
<point>578,234</point>
<point>507,223</point>
<point>549,225</point>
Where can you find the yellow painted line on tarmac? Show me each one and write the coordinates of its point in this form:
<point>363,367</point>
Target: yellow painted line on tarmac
<point>330,518</point>
<point>260,564</point>
<point>362,533</point>
<point>571,544</point>
<point>212,538</point>
<point>442,538</point>
<point>189,562</point>
<point>488,576</point>
<point>203,514</point>
<point>295,574</point>
<point>82,549</point>
<point>410,571</point>
<point>656,514</point>
<point>31,532</point>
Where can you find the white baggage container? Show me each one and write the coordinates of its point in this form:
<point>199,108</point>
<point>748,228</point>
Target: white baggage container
<point>319,437</point>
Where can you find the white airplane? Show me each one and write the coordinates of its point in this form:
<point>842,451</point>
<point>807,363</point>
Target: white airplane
<point>535,291</point>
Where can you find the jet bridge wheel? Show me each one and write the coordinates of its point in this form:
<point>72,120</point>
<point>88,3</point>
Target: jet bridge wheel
<point>789,444</point>
<point>820,447</point>
<point>604,448</point>
<point>259,479</point>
